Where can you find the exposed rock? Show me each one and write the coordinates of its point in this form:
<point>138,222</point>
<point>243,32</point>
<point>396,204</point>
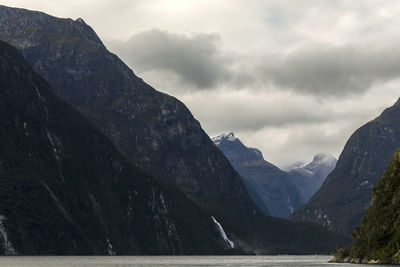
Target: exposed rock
<point>64,188</point>
<point>346,193</point>
<point>153,130</point>
<point>309,178</point>
<point>271,188</point>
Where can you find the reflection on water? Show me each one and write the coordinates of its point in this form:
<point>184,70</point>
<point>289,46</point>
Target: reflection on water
<point>203,261</point>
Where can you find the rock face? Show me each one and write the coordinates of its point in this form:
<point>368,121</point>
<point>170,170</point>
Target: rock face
<point>377,239</point>
<point>274,191</point>
<point>152,130</point>
<point>309,178</point>
<point>65,189</point>
<point>346,194</point>
<point>266,182</point>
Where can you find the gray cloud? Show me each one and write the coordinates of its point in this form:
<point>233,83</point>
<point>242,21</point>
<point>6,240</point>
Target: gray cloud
<point>258,115</point>
<point>335,71</point>
<point>318,70</point>
<point>194,59</point>
<point>254,112</point>
<point>285,57</point>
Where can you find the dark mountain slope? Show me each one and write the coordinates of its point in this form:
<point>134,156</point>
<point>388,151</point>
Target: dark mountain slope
<point>64,188</point>
<point>377,239</point>
<point>266,181</point>
<point>152,129</point>
<point>346,193</point>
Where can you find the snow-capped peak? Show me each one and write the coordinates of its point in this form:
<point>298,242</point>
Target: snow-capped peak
<point>296,165</point>
<point>324,159</point>
<point>228,137</point>
<point>320,162</point>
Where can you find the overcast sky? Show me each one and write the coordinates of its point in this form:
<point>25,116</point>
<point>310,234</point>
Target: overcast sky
<point>292,78</point>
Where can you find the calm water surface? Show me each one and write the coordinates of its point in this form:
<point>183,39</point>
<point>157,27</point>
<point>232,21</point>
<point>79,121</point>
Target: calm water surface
<point>248,261</point>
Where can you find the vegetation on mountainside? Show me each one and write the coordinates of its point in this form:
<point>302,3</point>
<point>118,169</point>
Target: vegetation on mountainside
<point>377,239</point>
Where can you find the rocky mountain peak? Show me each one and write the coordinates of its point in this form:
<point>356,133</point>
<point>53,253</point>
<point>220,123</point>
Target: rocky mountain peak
<point>233,144</point>
<point>397,102</point>
<point>224,137</point>
<point>293,166</point>
<point>309,177</point>
<point>80,20</point>
<point>33,24</point>
<point>269,186</point>
<point>322,159</point>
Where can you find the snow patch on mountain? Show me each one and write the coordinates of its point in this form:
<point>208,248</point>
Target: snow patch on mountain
<point>320,163</point>
<point>228,137</point>
<point>323,159</point>
<point>296,165</point>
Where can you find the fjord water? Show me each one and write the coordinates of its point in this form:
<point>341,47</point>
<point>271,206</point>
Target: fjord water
<point>152,261</point>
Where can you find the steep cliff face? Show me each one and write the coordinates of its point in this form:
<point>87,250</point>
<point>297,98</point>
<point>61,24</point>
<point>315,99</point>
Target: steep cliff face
<point>346,194</point>
<point>309,178</point>
<point>64,188</point>
<point>271,188</point>
<point>150,128</point>
<point>377,239</point>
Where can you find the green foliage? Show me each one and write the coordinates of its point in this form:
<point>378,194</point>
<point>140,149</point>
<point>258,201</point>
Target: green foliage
<point>378,236</point>
<point>343,253</point>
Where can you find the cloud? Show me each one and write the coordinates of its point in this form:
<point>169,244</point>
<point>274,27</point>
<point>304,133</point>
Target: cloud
<point>292,78</point>
<point>249,111</point>
<point>193,58</point>
<point>285,126</point>
<point>196,62</point>
<point>331,71</point>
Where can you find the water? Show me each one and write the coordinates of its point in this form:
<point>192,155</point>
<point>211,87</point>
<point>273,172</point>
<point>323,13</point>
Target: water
<point>180,261</point>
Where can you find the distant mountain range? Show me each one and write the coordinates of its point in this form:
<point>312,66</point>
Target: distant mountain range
<point>292,166</point>
<point>157,133</point>
<point>344,197</point>
<point>309,177</point>
<point>276,192</point>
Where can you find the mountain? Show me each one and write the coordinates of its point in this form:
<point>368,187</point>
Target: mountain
<point>65,189</point>
<point>295,165</point>
<point>264,180</point>
<point>345,195</point>
<point>151,129</point>
<point>274,191</point>
<point>377,239</point>
<point>309,177</point>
